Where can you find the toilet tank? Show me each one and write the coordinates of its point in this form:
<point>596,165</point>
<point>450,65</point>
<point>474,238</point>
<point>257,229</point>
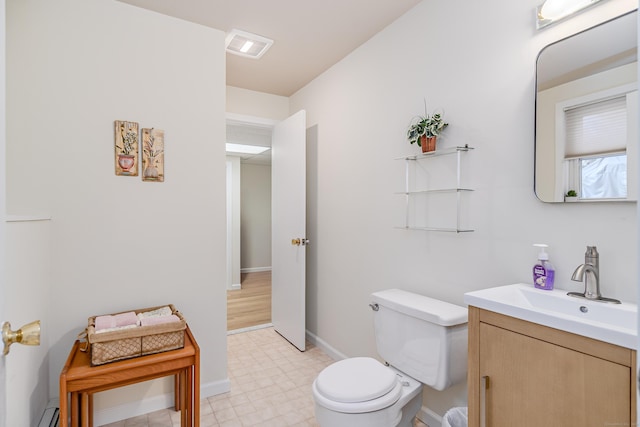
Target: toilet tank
<point>423,337</point>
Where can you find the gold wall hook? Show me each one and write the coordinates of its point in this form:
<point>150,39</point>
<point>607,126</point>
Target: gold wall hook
<point>29,334</point>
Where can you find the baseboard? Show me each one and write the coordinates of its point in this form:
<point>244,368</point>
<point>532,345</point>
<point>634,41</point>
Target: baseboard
<point>429,417</point>
<point>250,328</point>
<point>254,269</point>
<point>324,346</point>
<point>156,403</point>
<point>215,388</point>
<point>235,287</point>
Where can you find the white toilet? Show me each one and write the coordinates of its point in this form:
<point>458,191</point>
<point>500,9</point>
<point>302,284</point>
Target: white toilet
<point>423,340</point>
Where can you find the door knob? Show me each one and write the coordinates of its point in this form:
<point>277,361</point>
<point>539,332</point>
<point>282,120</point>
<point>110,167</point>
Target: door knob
<point>300,241</point>
<point>29,334</point>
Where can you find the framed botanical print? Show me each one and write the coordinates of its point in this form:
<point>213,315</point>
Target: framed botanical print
<point>126,148</point>
<point>153,155</point>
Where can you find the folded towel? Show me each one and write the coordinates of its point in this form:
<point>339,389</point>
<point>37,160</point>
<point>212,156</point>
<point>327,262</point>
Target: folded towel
<point>163,311</point>
<point>105,322</point>
<point>126,319</point>
<point>117,328</point>
<point>116,321</point>
<point>159,320</point>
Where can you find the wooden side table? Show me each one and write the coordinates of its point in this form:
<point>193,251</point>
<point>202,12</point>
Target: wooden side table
<point>79,381</point>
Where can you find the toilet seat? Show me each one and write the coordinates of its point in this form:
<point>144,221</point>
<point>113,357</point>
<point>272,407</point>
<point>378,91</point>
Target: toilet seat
<point>357,385</point>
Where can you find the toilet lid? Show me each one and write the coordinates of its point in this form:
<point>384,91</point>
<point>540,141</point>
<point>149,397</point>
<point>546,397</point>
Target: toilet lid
<point>357,379</point>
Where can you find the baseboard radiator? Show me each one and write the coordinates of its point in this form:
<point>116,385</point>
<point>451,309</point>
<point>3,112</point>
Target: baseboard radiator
<point>50,418</point>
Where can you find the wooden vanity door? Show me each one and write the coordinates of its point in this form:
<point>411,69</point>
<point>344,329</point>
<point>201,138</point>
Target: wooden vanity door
<point>533,383</point>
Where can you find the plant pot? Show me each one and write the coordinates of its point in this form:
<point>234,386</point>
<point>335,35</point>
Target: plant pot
<point>126,161</point>
<point>428,143</point>
<point>150,172</point>
<point>570,198</point>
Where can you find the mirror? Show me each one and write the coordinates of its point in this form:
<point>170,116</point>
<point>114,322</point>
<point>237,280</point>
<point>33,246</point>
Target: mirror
<point>586,115</point>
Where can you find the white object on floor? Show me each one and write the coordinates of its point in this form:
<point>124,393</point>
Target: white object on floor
<point>456,417</point>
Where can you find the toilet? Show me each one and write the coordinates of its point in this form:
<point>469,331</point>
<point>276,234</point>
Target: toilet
<point>423,342</point>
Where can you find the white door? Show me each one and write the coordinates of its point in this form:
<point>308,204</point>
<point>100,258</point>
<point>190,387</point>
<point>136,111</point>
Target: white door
<point>3,393</point>
<point>3,127</point>
<point>288,217</point>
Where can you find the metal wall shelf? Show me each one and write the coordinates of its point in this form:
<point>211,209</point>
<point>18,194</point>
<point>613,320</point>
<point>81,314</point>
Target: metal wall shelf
<point>457,190</point>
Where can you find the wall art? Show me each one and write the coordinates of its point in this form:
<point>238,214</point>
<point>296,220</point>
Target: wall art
<point>153,155</point>
<point>126,148</point>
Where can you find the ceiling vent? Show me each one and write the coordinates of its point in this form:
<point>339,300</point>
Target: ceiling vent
<point>247,44</point>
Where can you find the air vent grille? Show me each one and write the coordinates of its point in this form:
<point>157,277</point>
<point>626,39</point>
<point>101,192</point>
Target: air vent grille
<point>246,44</point>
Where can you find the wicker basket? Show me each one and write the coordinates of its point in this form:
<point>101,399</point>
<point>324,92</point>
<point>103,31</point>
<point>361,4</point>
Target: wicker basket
<point>111,346</point>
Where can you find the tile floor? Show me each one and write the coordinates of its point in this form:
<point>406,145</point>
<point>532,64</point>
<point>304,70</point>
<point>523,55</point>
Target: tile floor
<point>270,386</point>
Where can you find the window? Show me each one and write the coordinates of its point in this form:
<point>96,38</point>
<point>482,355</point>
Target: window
<point>596,127</point>
<point>598,177</point>
<point>595,154</point>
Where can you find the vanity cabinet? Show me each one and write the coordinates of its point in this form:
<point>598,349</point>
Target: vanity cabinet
<point>528,375</point>
<point>433,191</point>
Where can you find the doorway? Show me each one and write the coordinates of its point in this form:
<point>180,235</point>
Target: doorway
<point>249,224</point>
<point>250,306</point>
<point>288,224</point>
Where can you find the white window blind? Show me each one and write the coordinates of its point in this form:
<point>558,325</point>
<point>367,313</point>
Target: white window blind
<point>597,127</point>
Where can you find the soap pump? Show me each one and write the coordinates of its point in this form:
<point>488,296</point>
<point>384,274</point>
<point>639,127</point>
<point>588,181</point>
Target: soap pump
<point>543,271</point>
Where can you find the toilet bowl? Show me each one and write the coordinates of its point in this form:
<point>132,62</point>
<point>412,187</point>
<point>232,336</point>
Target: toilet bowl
<point>422,340</point>
<point>362,392</point>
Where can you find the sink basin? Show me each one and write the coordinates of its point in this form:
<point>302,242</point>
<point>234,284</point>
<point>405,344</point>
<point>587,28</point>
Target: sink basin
<point>613,323</point>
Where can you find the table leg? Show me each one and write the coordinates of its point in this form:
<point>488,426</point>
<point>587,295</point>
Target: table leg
<point>64,415</point>
<point>183,399</point>
<point>91,410</point>
<point>176,392</point>
<point>190,404</point>
<point>196,390</point>
<point>75,406</point>
<point>84,405</point>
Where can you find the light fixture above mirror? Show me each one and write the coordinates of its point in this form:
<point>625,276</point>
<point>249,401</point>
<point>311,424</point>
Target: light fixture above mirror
<point>552,11</point>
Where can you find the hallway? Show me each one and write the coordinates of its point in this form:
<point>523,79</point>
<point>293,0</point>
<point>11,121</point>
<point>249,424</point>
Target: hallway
<point>251,305</point>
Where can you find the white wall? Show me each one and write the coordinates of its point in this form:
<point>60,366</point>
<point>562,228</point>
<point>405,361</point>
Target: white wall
<point>234,214</point>
<point>256,217</point>
<point>73,67</point>
<point>475,60</point>
<point>257,104</point>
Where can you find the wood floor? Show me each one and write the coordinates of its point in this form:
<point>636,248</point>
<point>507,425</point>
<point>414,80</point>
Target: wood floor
<point>251,305</point>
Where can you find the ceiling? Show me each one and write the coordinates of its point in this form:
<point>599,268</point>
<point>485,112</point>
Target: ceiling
<point>309,36</point>
<point>589,52</point>
<point>250,135</point>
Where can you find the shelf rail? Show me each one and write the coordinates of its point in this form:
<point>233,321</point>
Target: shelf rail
<point>458,190</point>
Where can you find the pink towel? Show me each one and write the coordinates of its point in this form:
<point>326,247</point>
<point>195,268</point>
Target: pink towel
<point>159,320</point>
<point>126,319</point>
<point>116,321</point>
<point>105,322</point>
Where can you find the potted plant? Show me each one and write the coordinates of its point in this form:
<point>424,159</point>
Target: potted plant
<point>126,156</point>
<point>571,196</point>
<point>150,171</point>
<point>424,130</point>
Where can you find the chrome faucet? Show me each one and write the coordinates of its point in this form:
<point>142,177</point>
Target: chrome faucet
<point>590,273</point>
